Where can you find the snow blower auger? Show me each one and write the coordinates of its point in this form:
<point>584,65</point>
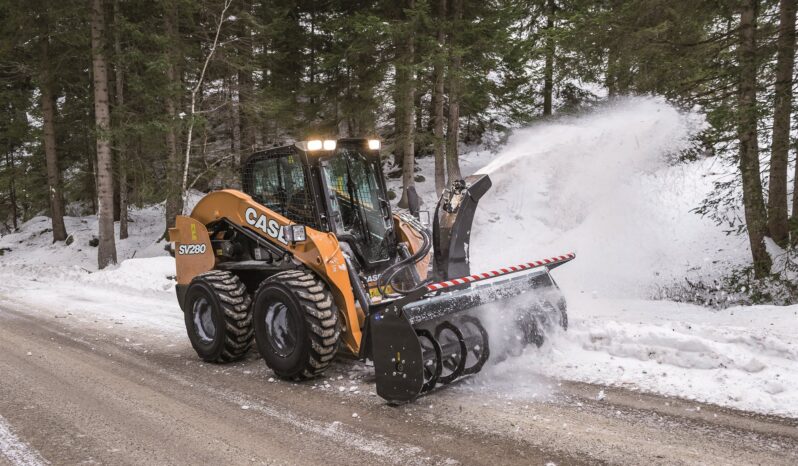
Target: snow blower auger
<point>309,260</point>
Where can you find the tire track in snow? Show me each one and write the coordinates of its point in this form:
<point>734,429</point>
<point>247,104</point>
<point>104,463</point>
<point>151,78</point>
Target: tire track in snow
<point>15,450</point>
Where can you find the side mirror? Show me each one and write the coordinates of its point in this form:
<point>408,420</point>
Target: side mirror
<point>293,233</point>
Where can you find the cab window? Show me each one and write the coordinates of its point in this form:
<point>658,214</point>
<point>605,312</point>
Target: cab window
<point>280,184</point>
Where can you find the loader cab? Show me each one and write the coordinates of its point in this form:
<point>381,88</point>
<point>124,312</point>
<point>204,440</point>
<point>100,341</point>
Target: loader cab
<point>336,186</point>
<point>281,181</point>
<point>357,201</point>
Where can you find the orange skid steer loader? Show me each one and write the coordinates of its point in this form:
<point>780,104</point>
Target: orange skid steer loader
<point>309,260</point>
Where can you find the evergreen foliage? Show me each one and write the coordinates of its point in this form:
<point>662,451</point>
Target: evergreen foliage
<point>285,70</point>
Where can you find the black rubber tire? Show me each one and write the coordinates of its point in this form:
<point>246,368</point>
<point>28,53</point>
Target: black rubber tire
<point>228,304</point>
<point>316,329</point>
<point>532,333</point>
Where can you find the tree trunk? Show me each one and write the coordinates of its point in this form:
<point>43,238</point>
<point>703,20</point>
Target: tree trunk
<point>91,182</point>
<point>234,114</point>
<point>398,154</point>
<point>50,155</point>
<point>438,73</point>
<point>121,142</point>
<point>609,82</point>
<point>174,198</point>
<point>124,199</point>
<point>418,95</point>
<point>548,70</point>
<point>753,202</point>
<point>246,88</point>
<point>405,81</point>
<point>780,148</point>
<point>106,252</point>
<point>12,188</point>
<point>453,127</point>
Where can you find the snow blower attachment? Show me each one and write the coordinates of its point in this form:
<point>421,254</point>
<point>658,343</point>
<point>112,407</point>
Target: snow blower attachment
<point>436,335</point>
<point>310,260</point>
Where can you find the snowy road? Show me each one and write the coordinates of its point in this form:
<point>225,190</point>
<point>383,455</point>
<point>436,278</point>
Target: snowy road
<point>73,391</point>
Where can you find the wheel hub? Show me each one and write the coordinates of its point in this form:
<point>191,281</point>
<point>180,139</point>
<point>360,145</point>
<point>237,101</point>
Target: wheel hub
<point>203,320</point>
<point>281,329</point>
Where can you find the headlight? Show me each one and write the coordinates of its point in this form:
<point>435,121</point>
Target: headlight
<point>314,144</point>
<point>374,144</point>
<point>294,233</point>
<point>298,233</point>
<point>329,144</point>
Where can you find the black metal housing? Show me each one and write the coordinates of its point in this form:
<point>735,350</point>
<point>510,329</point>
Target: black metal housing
<point>396,329</point>
<point>451,230</point>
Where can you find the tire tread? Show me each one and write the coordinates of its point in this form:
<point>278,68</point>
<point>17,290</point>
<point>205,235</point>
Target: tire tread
<point>235,301</point>
<point>321,317</point>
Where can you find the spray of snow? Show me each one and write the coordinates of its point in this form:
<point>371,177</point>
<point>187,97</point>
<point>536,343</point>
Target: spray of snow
<point>601,185</point>
<point>605,186</point>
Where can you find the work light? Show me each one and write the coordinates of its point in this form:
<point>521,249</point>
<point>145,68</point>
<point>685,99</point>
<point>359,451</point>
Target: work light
<point>294,233</point>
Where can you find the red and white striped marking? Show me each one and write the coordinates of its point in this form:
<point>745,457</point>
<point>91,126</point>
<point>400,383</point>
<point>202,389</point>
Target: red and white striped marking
<point>497,273</point>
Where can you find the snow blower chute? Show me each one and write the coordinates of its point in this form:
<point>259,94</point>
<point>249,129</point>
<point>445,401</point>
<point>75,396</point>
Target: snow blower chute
<point>310,260</point>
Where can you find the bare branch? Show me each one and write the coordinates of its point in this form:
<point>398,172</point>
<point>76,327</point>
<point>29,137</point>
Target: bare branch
<point>194,92</point>
<point>210,167</point>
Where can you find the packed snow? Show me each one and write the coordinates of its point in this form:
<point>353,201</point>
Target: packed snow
<point>15,450</point>
<point>602,185</point>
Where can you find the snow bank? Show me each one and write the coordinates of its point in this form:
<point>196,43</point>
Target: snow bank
<point>744,357</point>
<point>156,274</point>
<point>63,280</point>
<point>33,244</point>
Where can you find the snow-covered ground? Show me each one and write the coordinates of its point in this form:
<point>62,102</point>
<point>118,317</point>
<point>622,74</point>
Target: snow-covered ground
<point>743,357</point>
<point>600,185</point>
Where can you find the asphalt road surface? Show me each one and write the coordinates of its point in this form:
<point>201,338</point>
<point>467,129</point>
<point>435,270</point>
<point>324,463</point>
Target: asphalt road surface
<point>90,393</point>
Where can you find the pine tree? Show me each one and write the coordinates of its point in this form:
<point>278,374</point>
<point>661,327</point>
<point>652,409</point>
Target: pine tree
<point>120,143</point>
<point>454,71</point>
<point>174,198</point>
<point>780,145</point>
<point>49,140</point>
<point>406,88</point>
<point>550,46</point>
<point>439,76</point>
<point>753,202</point>
<point>106,252</point>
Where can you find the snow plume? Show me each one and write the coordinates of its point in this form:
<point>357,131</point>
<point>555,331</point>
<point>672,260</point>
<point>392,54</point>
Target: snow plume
<point>604,185</point>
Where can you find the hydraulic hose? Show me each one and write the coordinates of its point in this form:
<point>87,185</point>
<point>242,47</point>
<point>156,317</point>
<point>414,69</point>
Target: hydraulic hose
<point>387,277</point>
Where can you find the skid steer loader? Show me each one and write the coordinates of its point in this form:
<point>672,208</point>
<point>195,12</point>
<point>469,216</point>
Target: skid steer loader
<point>308,260</point>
